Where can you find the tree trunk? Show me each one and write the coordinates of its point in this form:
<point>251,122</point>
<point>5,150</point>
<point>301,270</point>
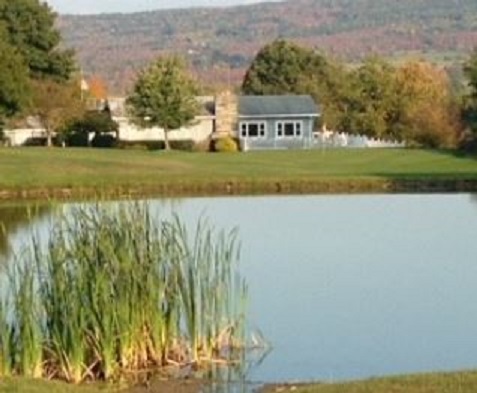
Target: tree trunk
<point>49,140</point>
<point>167,146</point>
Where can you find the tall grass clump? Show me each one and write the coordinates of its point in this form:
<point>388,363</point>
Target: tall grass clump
<point>5,342</point>
<point>116,291</point>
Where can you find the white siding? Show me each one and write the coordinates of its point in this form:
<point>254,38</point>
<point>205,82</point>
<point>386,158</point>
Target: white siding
<point>19,136</point>
<point>200,130</point>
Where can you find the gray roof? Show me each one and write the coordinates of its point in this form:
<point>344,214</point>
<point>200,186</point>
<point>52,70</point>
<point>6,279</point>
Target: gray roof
<point>279,105</point>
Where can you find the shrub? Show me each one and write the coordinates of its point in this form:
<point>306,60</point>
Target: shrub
<point>41,141</point>
<point>103,141</point>
<point>134,146</point>
<point>468,142</point>
<point>226,145</point>
<point>183,145</point>
<point>141,145</point>
<point>77,139</point>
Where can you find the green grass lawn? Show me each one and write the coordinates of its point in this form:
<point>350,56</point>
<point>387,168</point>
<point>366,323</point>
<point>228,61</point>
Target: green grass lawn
<point>106,169</point>
<point>459,382</point>
<point>25,385</point>
<point>463,382</point>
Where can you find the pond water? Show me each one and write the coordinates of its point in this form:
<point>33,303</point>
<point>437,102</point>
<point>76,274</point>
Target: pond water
<point>348,287</point>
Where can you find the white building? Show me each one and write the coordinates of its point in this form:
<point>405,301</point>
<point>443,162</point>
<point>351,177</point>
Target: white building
<point>199,130</point>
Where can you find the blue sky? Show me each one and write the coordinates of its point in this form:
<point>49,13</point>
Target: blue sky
<point>95,6</point>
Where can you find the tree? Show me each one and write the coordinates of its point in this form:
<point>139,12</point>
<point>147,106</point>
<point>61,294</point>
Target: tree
<point>97,88</point>
<point>283,67</point>
<point>468,107</point>
<point>55,104</point>
<point>372,98</point>
<point>425,112</point>
<point>14,83</point>
<point>29,27</point>
<point>470,71</point>
<point>469,111</point>
<point>164,96</point>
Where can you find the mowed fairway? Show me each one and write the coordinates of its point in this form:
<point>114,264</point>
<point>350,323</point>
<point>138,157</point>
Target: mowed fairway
<point>108,169</point>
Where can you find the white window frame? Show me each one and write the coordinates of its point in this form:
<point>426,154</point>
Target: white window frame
<point>297,129</point>
<point>244,129</point>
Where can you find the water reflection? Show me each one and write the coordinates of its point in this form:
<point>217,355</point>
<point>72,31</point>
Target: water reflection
<point>14,218</point>
<point>350,287</point>
<point>473,198</point>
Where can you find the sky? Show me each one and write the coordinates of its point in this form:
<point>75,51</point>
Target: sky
<point>101,6</point>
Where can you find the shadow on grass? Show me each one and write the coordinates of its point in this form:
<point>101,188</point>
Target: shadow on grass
<point>455,153</point>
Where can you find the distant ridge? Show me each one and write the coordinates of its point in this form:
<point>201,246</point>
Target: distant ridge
<point>221,42</point>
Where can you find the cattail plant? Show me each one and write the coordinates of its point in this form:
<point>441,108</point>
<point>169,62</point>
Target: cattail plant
<point>6,342</point>
<point>117,290</point>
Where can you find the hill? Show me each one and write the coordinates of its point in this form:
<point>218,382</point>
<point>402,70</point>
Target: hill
<point>221,42</point>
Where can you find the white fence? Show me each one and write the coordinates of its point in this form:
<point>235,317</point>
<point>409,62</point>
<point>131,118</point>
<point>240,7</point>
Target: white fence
<point>329,139</point>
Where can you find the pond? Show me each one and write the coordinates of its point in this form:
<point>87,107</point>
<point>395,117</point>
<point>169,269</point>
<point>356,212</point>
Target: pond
<point>348,287</point>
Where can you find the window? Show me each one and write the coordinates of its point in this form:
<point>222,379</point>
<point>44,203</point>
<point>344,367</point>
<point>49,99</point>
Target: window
<point>253,129</point>
<point>289,129</point>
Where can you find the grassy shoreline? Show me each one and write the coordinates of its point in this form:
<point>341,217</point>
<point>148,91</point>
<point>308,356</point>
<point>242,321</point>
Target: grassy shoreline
<point>312,187</point>
<point>444,382</point>
<point>39,173</point>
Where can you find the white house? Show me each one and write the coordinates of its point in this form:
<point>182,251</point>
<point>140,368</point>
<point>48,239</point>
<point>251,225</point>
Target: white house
<point>200,129</point>
<point>24,132</point>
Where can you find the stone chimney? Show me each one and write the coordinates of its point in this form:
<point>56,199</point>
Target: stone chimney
<point>226,114</point>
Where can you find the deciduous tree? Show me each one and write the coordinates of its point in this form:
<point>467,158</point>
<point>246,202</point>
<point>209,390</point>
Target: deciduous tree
<point>97,88</point>
<point>424,108</point>
<point>280,68</point>
<point>284,67</point>
<point>373,98</point>
<point>470,101</point>
<point>55,104</point>
<point>164,96</point>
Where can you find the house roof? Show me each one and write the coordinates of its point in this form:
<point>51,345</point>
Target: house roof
<point>277,105</point>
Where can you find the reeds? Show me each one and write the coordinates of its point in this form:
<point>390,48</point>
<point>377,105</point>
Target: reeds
<point>117,291</point>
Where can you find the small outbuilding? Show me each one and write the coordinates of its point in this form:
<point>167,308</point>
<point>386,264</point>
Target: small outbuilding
<point>276,122</point>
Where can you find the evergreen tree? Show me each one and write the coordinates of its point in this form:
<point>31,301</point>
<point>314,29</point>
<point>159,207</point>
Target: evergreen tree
<point>29,26</point>
<point>14,83</point>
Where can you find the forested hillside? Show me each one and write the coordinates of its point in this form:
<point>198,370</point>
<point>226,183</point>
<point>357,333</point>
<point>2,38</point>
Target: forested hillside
<point>221,42</point>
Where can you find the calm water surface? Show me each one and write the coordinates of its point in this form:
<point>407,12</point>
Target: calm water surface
<point>349,287</point>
